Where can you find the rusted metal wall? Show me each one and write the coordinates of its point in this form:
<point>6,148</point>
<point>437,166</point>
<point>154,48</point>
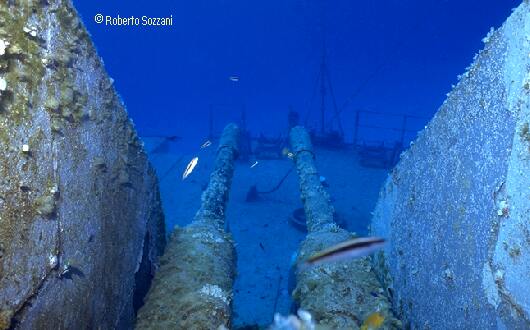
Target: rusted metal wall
<point>81,224</point>
<point>457,206</point>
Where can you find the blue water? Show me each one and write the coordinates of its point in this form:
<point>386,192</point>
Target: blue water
<point>169,77</point>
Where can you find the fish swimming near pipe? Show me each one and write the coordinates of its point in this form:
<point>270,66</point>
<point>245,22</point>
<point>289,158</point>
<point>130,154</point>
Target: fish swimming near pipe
<point>206,144</point>
<point>190,167</point>
<point>354,248</point>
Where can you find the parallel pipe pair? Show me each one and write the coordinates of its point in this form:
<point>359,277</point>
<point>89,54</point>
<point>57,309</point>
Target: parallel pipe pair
<point>193,287</point>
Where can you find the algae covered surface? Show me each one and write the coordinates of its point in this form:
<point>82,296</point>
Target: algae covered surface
<point>338,295</point>
<point>72,174</point>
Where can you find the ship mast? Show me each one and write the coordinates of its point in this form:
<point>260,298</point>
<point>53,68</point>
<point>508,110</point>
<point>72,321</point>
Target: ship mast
<point>325,86</point>
<point>323,90</point>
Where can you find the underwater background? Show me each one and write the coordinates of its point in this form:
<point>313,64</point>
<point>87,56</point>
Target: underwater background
<point>221,59</point>
<point>409,51</point>
<point>286,165</point>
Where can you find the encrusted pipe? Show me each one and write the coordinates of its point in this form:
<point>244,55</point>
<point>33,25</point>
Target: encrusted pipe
<point>193,287</point>
<point>338,295</point>
<point>317,205</point>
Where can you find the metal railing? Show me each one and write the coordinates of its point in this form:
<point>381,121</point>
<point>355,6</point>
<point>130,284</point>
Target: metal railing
<point>404,121</point>
<point>381,150</point>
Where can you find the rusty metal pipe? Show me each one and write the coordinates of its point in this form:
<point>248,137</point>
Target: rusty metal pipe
<point>317,204</point>
<point>338,295</point>
<point>193,287</point>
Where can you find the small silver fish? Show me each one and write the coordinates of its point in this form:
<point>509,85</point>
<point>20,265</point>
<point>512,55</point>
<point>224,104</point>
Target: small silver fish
<point>354,248</point>
<point>190,167</point>
<point>206,144</point>
<point>234,78</point>
<point>254,165</point>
